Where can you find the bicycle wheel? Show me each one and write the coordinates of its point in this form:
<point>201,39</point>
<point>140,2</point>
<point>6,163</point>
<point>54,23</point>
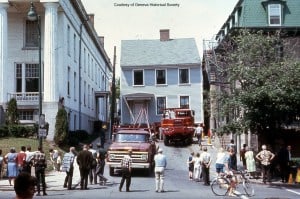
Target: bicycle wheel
<point>248,188</point>
<point>220,186</point>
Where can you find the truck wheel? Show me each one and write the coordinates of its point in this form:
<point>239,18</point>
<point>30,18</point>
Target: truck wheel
<point>190,141</point>
<point>166,141</point>
<point>149,171</point>
<point>111,171</point>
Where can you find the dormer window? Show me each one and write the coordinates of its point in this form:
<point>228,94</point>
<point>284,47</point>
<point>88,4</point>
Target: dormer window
<point>274,14</point>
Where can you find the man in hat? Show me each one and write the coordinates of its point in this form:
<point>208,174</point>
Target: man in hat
<point>126,164</point>
<point>160,165</point>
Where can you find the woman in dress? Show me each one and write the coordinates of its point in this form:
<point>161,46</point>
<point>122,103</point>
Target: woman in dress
<point>250,161</point>
<point>197,167</point>
<point>12,168</point>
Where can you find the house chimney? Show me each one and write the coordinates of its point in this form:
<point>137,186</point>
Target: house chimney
<point>91,18</point>
<point>164,35</point>
<point>101,40</point>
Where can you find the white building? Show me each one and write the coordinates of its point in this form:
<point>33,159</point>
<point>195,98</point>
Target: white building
<point>75,67</point>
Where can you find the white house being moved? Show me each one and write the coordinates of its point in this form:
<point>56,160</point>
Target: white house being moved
<point>75,68</point>
<point>157,74</point>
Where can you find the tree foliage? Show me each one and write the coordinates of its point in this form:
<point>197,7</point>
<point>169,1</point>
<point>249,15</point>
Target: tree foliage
<point>263,84</point>
<point>12,112</point>
<point>61,127</point>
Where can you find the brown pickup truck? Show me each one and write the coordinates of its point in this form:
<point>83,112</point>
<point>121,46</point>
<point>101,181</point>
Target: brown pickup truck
<point>142,146</point>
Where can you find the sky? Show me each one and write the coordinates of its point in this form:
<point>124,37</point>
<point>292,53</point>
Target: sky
<point>118,20</point>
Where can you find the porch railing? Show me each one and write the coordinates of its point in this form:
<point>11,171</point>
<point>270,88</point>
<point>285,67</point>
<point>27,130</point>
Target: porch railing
<point>24,97</point>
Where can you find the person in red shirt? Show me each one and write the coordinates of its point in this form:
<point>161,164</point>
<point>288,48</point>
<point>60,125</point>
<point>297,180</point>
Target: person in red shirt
<point>21,158</point>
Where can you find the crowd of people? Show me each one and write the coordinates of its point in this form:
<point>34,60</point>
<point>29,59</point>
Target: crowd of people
<point>25,169</point>
<point>226,163</point>
<point>19,165</point>
<point>91,165</point>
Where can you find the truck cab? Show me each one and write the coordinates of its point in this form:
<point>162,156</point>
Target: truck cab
<point>139,141</point>
<point>177,126</point>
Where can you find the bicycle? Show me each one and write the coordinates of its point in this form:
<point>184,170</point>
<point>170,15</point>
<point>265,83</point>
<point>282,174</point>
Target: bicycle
<point>221,185</point>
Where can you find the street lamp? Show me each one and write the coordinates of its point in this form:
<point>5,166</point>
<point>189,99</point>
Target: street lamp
<point>33,16</point>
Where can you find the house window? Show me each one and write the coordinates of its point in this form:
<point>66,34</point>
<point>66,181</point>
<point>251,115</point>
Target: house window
<point>138,78</point>
<point>160,104</point>
<point>74,47</point>
<point>68,89</point>
<point>183,76</point>
<point>19,78</point>
<point>68,40</point>
<point>27,81</point>
<point>184,102</point>
<point>89,96</point>
<point>25,115</point>
<point>75,121</point>
<point>84,93</point>
<point>74,86</point>
<point>92,99</point>
<point>274,14</point>
<point>84,59</point>
<point>32,34</point>
<point>160,76</point>
<point>88,64</point>
<point>103,82</point>
<point>32,77</point>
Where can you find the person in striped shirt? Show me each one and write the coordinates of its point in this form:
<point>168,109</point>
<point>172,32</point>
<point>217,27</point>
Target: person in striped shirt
<point>126,164</point>
<point>40,165</point>
<point>68,167</point>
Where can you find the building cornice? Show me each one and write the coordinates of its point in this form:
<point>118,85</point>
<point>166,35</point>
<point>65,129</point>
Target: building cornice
<point>78,6</point>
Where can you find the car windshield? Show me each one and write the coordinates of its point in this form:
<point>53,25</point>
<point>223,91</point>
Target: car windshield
<point>120,137</point>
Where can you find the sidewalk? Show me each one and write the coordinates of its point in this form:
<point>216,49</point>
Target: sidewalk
<point>55,179</point>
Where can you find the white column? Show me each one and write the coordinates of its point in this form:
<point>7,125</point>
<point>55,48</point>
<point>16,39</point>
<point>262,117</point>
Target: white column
<point>3,50</point>
<point>50,44</point>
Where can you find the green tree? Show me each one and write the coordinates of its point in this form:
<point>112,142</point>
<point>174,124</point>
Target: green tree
<point>12,112</point>
<point>263,92</point>
<point>61,127</point>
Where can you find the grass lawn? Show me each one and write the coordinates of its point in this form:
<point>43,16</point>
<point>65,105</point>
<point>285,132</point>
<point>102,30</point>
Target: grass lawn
<point>8,142</point>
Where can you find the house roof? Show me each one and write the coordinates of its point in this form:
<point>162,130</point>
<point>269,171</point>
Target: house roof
<point>156,52</point>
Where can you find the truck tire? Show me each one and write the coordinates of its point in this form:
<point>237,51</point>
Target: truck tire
<point>190,141</point>
<point>166,141</point>
<point>111,171</point>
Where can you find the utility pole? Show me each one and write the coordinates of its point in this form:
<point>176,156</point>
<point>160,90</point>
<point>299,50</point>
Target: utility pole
<point>113,95</point>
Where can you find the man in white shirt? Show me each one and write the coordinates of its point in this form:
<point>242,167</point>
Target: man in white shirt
<point>68,167</point>
<point>198,133</point>
<point>160,165</point>
<point>29,157</point>
<point>92,174</point>
<point>205,164</point>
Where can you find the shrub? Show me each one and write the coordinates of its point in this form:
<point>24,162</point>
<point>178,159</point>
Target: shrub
<point>16,130</point>
<point>3,131</point>
<point>61,127</point>
<point>12,112</point>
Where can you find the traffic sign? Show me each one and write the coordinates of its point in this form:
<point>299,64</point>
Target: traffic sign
<point>42,132</point>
